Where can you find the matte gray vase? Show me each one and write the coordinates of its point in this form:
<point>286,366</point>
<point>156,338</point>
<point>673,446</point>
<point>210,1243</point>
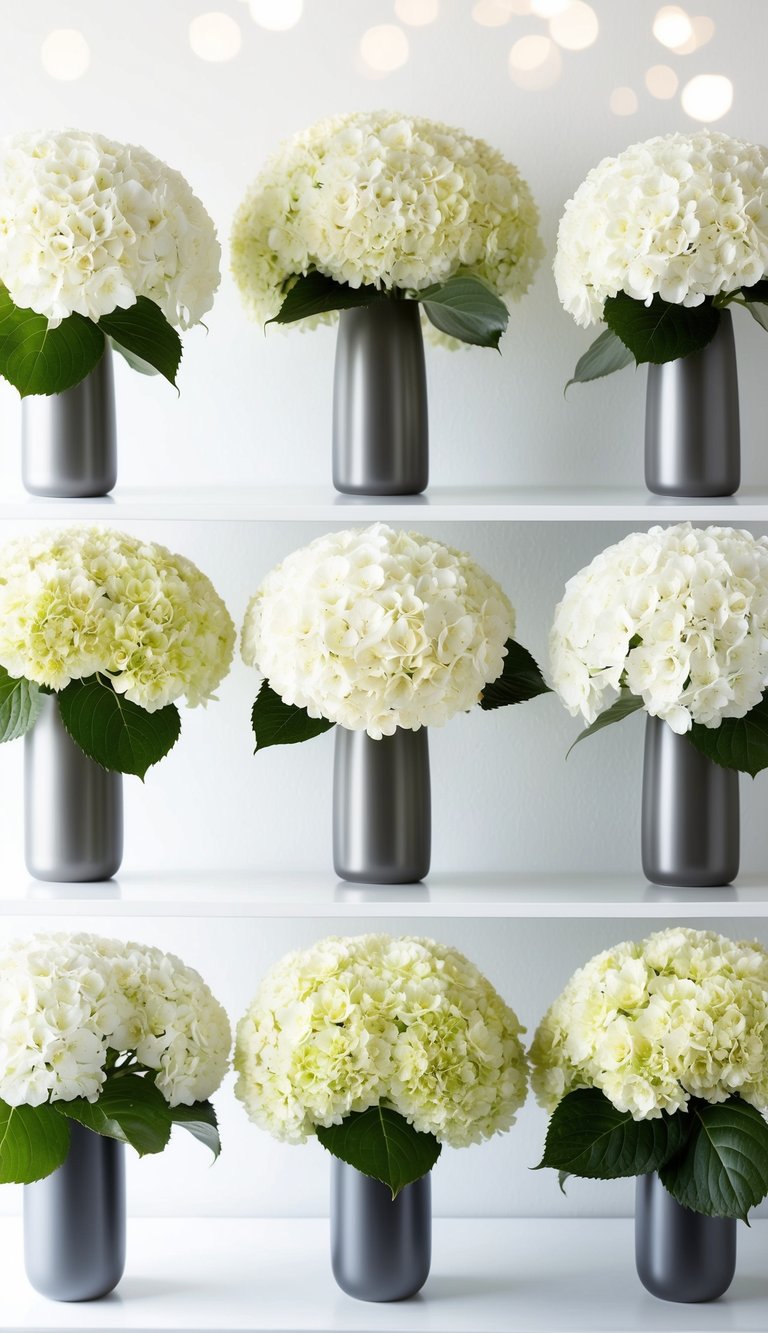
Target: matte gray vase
<point>74,1221</point>
<point>381,807</point>
<point>69,439</point>
<point>690,820</point>
<point>381,1247</point>
<point>380,419</point>
<point>73,808</point>
<point>692,421</point>
<point>680,1255</point>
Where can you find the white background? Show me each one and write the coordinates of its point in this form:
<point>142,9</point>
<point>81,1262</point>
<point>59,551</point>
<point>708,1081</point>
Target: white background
<point>255,411</point>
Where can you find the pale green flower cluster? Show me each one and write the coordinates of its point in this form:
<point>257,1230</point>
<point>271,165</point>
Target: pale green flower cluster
<point>84,600</point>
<point>683,1013</point>
<point>684,216</point>
<point>388,200</point>
<point>87,225</point>
<point>351,1023</point>
<point>66,1001</point>
<point>377,629</point>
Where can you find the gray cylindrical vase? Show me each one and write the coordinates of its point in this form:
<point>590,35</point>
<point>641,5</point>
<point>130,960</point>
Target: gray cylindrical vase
<point>69,439</point>
<point>690,817</point>
<point>381,807</point>
<point>74,1221</point>
<point>73,808</point>
<point>380,419</point>
<point>680,1255</point>
<point>692,420</point>
<point>381,1247</point>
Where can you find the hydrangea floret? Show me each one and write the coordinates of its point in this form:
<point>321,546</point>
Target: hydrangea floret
<point>99,241</point>
<point>373,205</point>
<point>351,1030</point>
<point>675,621</point>
<point>659,240</point>
<point>375,629</point>
<point>121,1037</point>
<point>655,1058</point>
<point>110,624</point>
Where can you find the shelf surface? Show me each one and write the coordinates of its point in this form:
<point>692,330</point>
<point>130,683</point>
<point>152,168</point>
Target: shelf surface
<point>220,893</point>
<point>490,1276</point>
<point>440,503</point>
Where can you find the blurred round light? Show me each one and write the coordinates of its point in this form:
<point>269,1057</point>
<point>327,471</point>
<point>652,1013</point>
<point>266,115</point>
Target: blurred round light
<point>384,48</point>
<point>519,7</point>
<point>276,15</point>
<point>215,36</point>
<point>707,97</point>
<point>547,9</point>
<point>535,63</point>
<point>661,81</point>
<point>576,27</point>
<point>672,26</point>
<point>417,12</point>
<point>702,31</point>
<point>65,54</point>
<point>623,102</point>
<point>491,13</point>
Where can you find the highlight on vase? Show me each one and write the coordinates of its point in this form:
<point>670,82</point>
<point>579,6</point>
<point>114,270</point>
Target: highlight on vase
<point>383,634</point>
<point>674,621</point>
<point>659,243</point>
<point>385,1049</point>
<point>393,222</point>
<point>100,634</point>
<point>103,1043</point>
<point>652,1063</point>
<point>102,246</point>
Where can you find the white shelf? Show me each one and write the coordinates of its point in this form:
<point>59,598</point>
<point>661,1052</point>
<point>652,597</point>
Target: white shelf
<point>221,893</point>
<point>440,503</point>
<point>490,1276</point>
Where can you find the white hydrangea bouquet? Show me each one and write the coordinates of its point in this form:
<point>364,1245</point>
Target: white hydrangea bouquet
<point>375,206</point>
<point>375,629</point>
<point>675,621</point>
<point>655,1058</point>
<point>120,1037</point>
<point>659,240</point>
<point>100,243</point>
<point>384,1048</point>
<point>117,628</point>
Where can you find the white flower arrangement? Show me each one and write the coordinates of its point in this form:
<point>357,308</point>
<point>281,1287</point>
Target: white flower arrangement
<point>393,203</point>
<point>671,1029</point>
<point>93,605</point>
<point>680,220</point>
<point>406,1024</point>
<point>91,1022</point>
<point>376,629</point>
<point>676,617</point>
<point>94,228</point>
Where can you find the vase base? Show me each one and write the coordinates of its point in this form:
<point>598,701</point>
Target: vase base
<point>691,880</point>
<point>708,492</point>
<point>383,489</point>
<point>393,877</point>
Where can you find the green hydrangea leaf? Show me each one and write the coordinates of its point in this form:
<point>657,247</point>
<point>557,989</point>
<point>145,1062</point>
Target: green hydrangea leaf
<point>661,331</point>
<point>20,704</point>
<point>39,360</point>
<point>34,1141</point>
<point>115,732</point>
<point>722,1170</point>
<point>130,1109</point>
<point>605,355</point>
<point>200,1121</point>
<point>738,742</point>
<point>380,1143</point>
<point>519,681</point>
<point>588,1137</point>
<point>464,307</point>
<point>278,723</point>
<point>315,294</point>
<point>624,706</point>
<point>144,338</point>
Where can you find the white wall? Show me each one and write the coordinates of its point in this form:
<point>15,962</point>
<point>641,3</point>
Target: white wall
<point>529,963</point>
